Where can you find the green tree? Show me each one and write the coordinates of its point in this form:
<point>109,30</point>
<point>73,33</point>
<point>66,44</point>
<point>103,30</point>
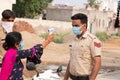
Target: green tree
<point>18,8</point>
<point>91,2</point>
<point>29,8</point>
<point>94,3</point>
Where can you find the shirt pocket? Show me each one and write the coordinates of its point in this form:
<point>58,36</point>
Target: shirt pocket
<point>85,51</point>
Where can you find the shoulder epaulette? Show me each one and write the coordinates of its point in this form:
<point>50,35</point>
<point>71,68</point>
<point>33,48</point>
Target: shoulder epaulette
<point>92,36</point>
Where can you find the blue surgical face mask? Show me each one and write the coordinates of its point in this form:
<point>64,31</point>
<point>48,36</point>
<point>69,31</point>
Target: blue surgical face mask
<point>76,30</point>
<point>21,45</point>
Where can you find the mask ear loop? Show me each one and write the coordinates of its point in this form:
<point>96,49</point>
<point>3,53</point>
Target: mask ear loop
<point>81,26</point>
<point>85,26</point>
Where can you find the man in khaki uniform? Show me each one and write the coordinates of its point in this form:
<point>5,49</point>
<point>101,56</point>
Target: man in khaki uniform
<point>6,26</point>
<point>85,52</point>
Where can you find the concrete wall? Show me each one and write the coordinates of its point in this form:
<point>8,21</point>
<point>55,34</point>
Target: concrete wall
<point>97,20</point>
<point>61,25</point>
<point>58,13</point>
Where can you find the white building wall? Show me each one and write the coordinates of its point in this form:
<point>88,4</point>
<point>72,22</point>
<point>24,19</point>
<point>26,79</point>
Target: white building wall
<point>6,4</point>
<point>109,5</point>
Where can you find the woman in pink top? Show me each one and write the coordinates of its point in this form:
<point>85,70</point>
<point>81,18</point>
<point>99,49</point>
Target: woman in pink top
<point>12,67</point>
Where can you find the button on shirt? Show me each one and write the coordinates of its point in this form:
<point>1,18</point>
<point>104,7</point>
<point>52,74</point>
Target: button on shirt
<point>82,52</point>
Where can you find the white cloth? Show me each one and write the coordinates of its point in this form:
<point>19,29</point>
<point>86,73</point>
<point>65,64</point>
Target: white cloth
<point>8,26</point>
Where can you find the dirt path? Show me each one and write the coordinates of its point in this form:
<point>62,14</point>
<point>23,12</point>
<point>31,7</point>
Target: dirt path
<point>59,54</point>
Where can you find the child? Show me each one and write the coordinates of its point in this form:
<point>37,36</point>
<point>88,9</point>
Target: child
<point>12,67</point>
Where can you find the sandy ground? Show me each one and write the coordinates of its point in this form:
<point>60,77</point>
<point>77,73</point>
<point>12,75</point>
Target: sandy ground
<point>58,54</point>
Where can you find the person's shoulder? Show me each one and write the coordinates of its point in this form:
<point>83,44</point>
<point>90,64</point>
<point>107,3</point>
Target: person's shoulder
<point>11,51</point>
<point>93,37</point>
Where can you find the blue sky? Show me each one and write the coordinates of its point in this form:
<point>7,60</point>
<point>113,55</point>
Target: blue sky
<point>78,3</point>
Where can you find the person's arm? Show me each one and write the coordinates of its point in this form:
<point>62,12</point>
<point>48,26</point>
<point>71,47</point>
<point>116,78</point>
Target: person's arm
<point>96,56</point>
<point>35,49</point>
<point>96,67</point>
<point>48,40</point>
<point>67,74</point>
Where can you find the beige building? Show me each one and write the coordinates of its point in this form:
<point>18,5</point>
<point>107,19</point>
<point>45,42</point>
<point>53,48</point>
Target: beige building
<point>108,5</point>
<point>98,20</point>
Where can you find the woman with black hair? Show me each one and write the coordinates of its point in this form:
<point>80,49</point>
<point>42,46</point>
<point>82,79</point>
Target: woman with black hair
<point>12,67</point>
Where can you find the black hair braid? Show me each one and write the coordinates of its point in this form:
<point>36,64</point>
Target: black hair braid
<point>5,46</point>
<point>11,39</point>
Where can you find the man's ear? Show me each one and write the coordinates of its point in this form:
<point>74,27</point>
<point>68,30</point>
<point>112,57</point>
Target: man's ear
<point>85,26</point>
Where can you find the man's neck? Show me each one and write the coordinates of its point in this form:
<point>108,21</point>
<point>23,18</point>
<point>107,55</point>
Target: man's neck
<point>80,36</point>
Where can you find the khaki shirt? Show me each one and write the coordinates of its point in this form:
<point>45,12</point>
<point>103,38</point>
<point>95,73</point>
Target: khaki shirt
<point>2,36</point>
<point>82,52</point>
<point>2,32</point>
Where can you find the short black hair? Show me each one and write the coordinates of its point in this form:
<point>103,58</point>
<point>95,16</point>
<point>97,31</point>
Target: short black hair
<point>11,39</point>
<point>82,17</point>
<point>6,14</point>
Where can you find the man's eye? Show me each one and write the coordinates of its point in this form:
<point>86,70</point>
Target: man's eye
<point>10,20</point>
<point>75,25</point>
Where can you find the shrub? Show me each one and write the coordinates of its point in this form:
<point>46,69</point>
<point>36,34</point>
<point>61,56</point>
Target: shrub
<point>116,34</point>
<point>44,35</point>
<point>101,36</point>
<point>58,37</point>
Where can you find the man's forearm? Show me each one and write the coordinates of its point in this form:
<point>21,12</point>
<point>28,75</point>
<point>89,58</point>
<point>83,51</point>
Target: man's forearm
<point>96,68</point>
<point>67,74</point>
